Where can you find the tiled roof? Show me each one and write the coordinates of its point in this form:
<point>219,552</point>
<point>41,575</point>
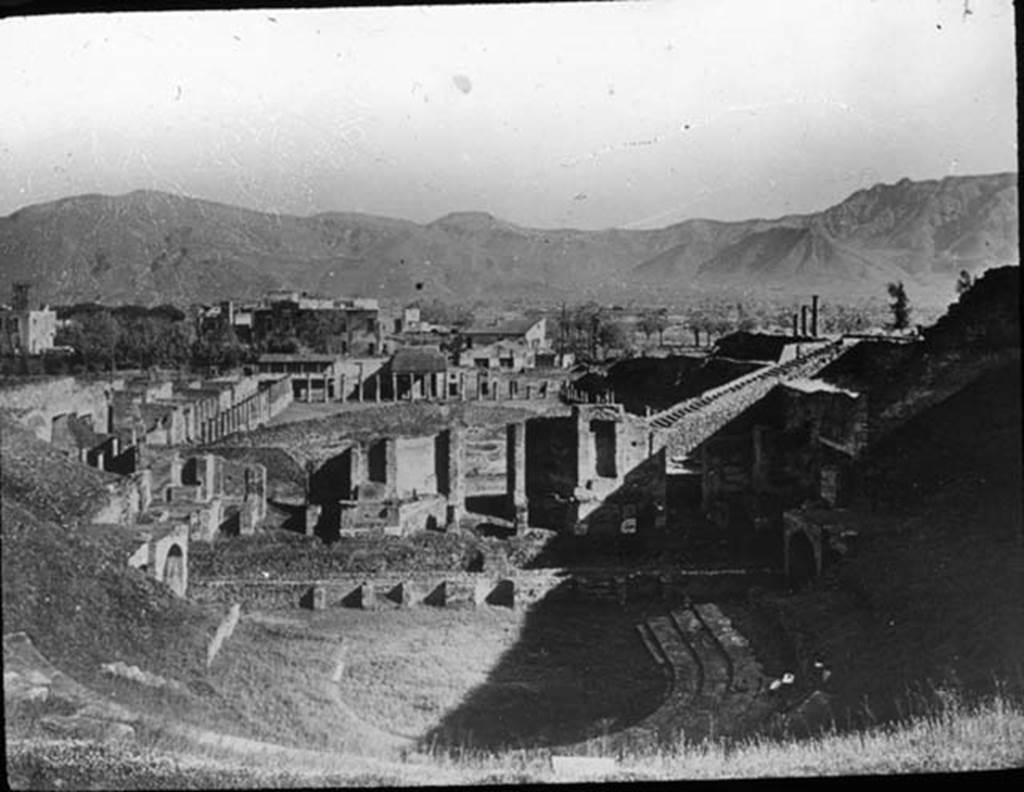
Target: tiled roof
<point>282,357</point>
<point>511,327</point>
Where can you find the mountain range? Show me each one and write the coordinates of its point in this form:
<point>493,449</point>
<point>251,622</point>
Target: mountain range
<point>151,247</point>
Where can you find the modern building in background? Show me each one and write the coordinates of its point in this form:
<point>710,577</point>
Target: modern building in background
<point>351,326</point>
<point>26,331</point>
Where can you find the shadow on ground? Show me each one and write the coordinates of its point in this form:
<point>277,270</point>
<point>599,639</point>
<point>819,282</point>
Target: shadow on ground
<point>578,670</point>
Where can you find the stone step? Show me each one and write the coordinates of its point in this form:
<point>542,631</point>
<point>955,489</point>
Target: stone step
<point>747,676</point>
<point>717,669</point>
<point>650,644</point>
<point>684,668</point>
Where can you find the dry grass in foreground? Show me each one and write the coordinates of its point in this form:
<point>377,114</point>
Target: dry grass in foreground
<point>957,738</point>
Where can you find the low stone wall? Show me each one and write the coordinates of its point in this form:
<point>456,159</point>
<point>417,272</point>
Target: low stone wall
<point>518,589</point>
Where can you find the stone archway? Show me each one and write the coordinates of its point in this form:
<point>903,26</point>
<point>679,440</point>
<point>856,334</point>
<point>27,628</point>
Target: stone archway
<point>174,570</point>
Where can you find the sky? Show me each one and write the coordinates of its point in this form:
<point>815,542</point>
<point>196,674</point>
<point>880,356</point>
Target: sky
<point>584,115</point>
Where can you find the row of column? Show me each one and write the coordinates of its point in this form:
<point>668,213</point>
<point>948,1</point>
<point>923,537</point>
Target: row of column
<point>243,416</point>
<point>436,386</point>
<point>579,396</point>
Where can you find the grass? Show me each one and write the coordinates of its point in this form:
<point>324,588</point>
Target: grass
<point>956,737</point>
<point>428,677</point>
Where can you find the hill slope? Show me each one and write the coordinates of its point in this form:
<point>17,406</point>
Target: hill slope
<point>153,247</point>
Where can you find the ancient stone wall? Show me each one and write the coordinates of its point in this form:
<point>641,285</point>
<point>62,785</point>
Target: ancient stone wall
<point>684,427</point>
<point>51,397</point>
<point>517,589</point>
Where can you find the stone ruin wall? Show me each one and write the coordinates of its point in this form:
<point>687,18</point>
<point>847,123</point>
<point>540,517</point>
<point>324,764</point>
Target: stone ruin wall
<point>50,397</point>
<point>518,589</point>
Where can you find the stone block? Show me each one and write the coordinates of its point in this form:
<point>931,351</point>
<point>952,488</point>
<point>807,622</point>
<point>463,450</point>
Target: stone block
<point>362,596</point>
<point>319,598</point>
<point>312,518</point>
<point>402,594</point>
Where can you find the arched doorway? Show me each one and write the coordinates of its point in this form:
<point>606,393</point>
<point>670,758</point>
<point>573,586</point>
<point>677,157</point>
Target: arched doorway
<point>174,570</point>
<point>802,567</point>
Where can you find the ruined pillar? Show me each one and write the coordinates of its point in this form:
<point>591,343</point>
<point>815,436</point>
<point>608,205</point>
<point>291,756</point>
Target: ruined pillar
<point>357,469</point>
<point>456,474</point>
<point>814,315</point>
<point>390,468</point>
<point>394,386</point>
<point>515,475</point>
<point>177,464</point>
<point>796,329</point>
<point>247,518</point>
<point>584,448</point>
<point>803,320</point>
<point>312,518</point>
<point>256,488</point>
<point>145,488</point>
<point>210,481</point>
<point>341,394</point>
<point>318,600</point>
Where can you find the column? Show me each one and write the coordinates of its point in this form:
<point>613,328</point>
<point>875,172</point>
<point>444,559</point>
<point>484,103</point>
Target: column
<point>357,469</point>
<point>390,468</point>
<point>341,388</point>
<point>462,386</point>
<point>177,464</point>
<point>584,448</point>
<point>456,474</point>
<point>394,386</point>
<point>515,476</point>
<point>359,385</point>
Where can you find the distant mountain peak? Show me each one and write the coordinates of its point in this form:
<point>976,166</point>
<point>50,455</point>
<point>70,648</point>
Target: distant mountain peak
<point>153,247</point>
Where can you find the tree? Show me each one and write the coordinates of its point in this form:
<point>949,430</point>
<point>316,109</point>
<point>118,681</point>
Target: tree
<point>612,335</point>
<point>963,283</point>
<point>653,321</point>
<point>94,335</point>
<point>434,311</point>
<point>219,347</point>
<point>900,306</point>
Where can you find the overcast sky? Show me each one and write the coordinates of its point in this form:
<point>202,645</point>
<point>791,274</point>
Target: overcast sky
<point>634,114</point>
